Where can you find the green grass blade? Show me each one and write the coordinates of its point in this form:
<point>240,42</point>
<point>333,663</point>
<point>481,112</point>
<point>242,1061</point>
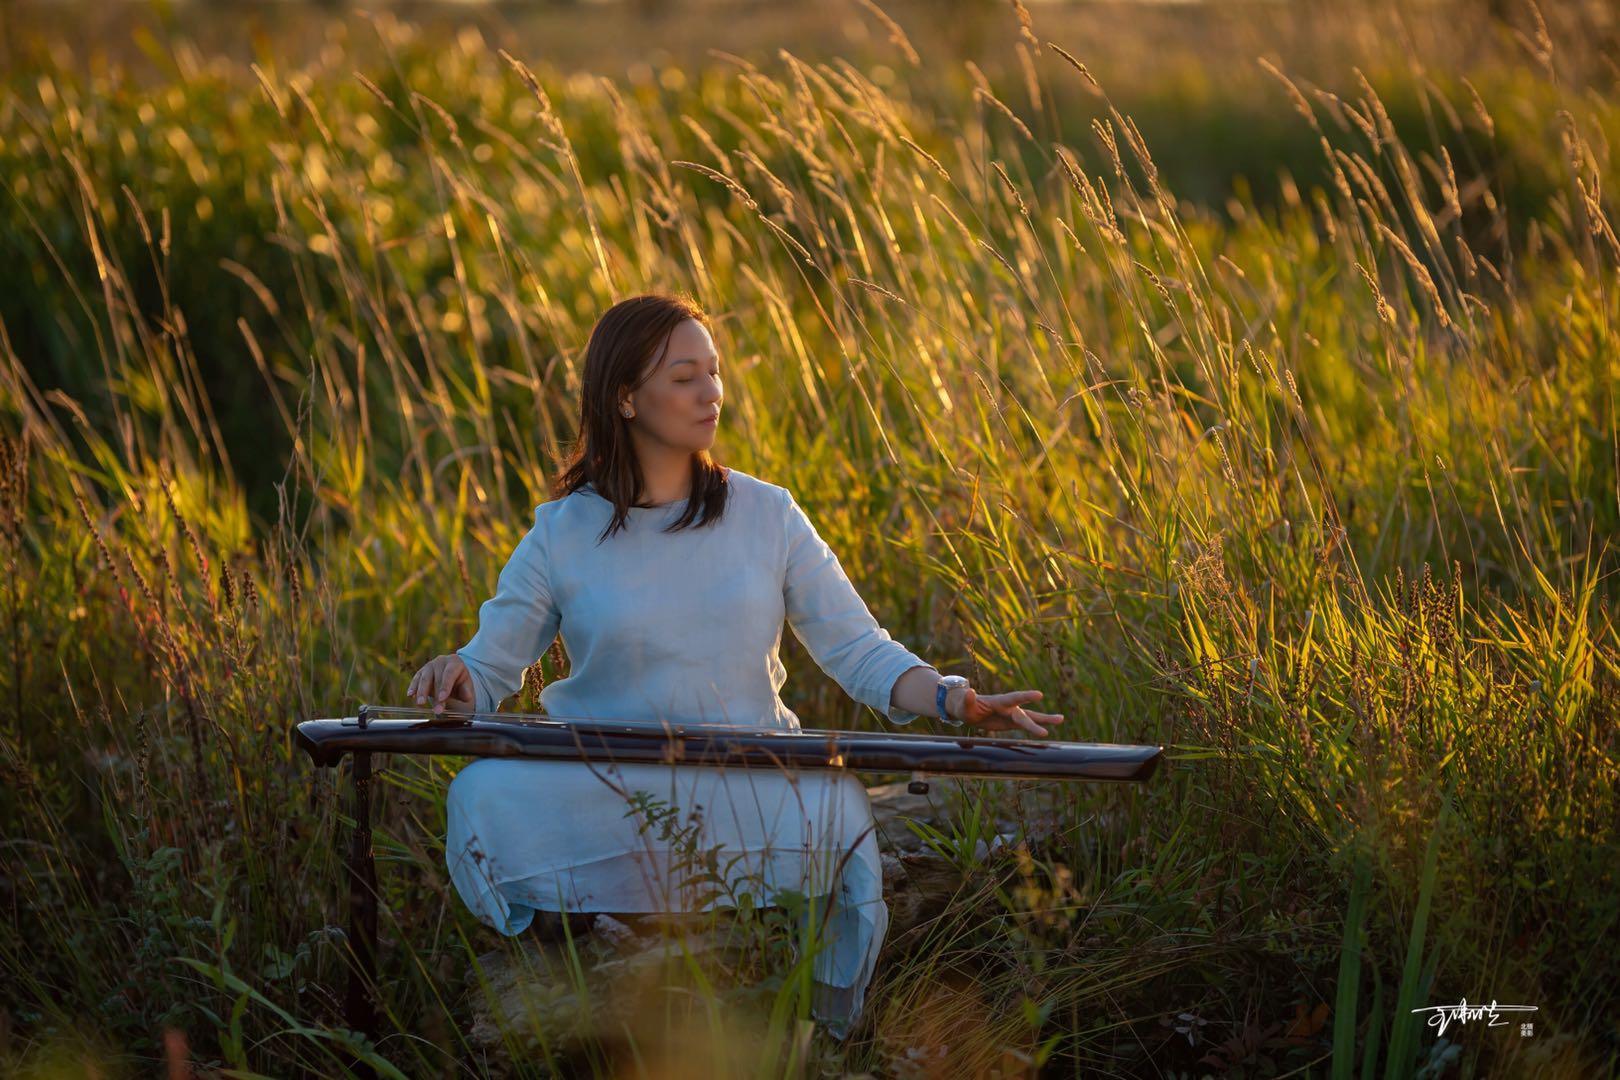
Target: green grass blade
<point>1344,1013</point>
<point>1403,1035</point>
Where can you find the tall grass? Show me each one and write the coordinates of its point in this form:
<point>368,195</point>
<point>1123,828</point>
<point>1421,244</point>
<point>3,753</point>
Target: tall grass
<point>1317,492</point>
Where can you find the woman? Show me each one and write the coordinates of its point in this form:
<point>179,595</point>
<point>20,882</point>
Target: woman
<point>669,578</point>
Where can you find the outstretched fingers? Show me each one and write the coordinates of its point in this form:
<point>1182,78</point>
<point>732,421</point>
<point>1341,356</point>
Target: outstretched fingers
<point>1031,721</point>
<point>1027,722</point>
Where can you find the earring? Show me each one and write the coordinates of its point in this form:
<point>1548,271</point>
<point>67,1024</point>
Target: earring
<point>627,412</point>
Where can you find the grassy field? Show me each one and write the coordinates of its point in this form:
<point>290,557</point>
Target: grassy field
<point>1244,379</point>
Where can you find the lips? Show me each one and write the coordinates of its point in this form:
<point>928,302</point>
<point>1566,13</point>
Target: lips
<point>715,419</point>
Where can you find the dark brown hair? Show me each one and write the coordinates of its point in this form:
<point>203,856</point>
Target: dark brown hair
<point>622,345</point>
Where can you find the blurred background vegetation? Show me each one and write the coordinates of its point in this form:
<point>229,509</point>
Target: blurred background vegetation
<point>179,116</point>
<point>1243,374</point>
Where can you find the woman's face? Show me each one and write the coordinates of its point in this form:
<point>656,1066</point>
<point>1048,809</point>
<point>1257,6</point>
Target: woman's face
<point>682,392</point>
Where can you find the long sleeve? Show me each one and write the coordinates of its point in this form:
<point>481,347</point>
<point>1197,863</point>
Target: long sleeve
<point>516,625</point>
<point>834,623</point>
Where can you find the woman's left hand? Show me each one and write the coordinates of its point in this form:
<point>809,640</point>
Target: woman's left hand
<point>999,712</point>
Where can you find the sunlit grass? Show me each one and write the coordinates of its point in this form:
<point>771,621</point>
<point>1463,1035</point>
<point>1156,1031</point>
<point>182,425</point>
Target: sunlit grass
<point>1317,492</point>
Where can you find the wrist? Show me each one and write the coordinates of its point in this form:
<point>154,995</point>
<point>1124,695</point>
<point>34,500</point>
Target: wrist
<point>950,695</point>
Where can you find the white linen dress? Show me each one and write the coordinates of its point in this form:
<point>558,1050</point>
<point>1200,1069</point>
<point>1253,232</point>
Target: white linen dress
<point>678,628</point>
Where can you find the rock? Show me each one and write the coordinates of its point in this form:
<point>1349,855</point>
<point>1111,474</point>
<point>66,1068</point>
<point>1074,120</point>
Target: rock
<point>892,804</point>
<point>618,935</point>
<point>916,885</point>
<point>534,994</point>
<point>1029,810</point>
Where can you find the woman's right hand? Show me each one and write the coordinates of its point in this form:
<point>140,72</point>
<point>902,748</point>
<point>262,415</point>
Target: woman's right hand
<point>446,683</point>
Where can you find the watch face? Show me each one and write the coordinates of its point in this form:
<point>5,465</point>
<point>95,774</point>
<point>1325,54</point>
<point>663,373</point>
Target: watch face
<point>948,683</point>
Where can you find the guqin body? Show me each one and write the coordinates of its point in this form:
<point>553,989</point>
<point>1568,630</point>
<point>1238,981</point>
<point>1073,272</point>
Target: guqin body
<point>406,731</point>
